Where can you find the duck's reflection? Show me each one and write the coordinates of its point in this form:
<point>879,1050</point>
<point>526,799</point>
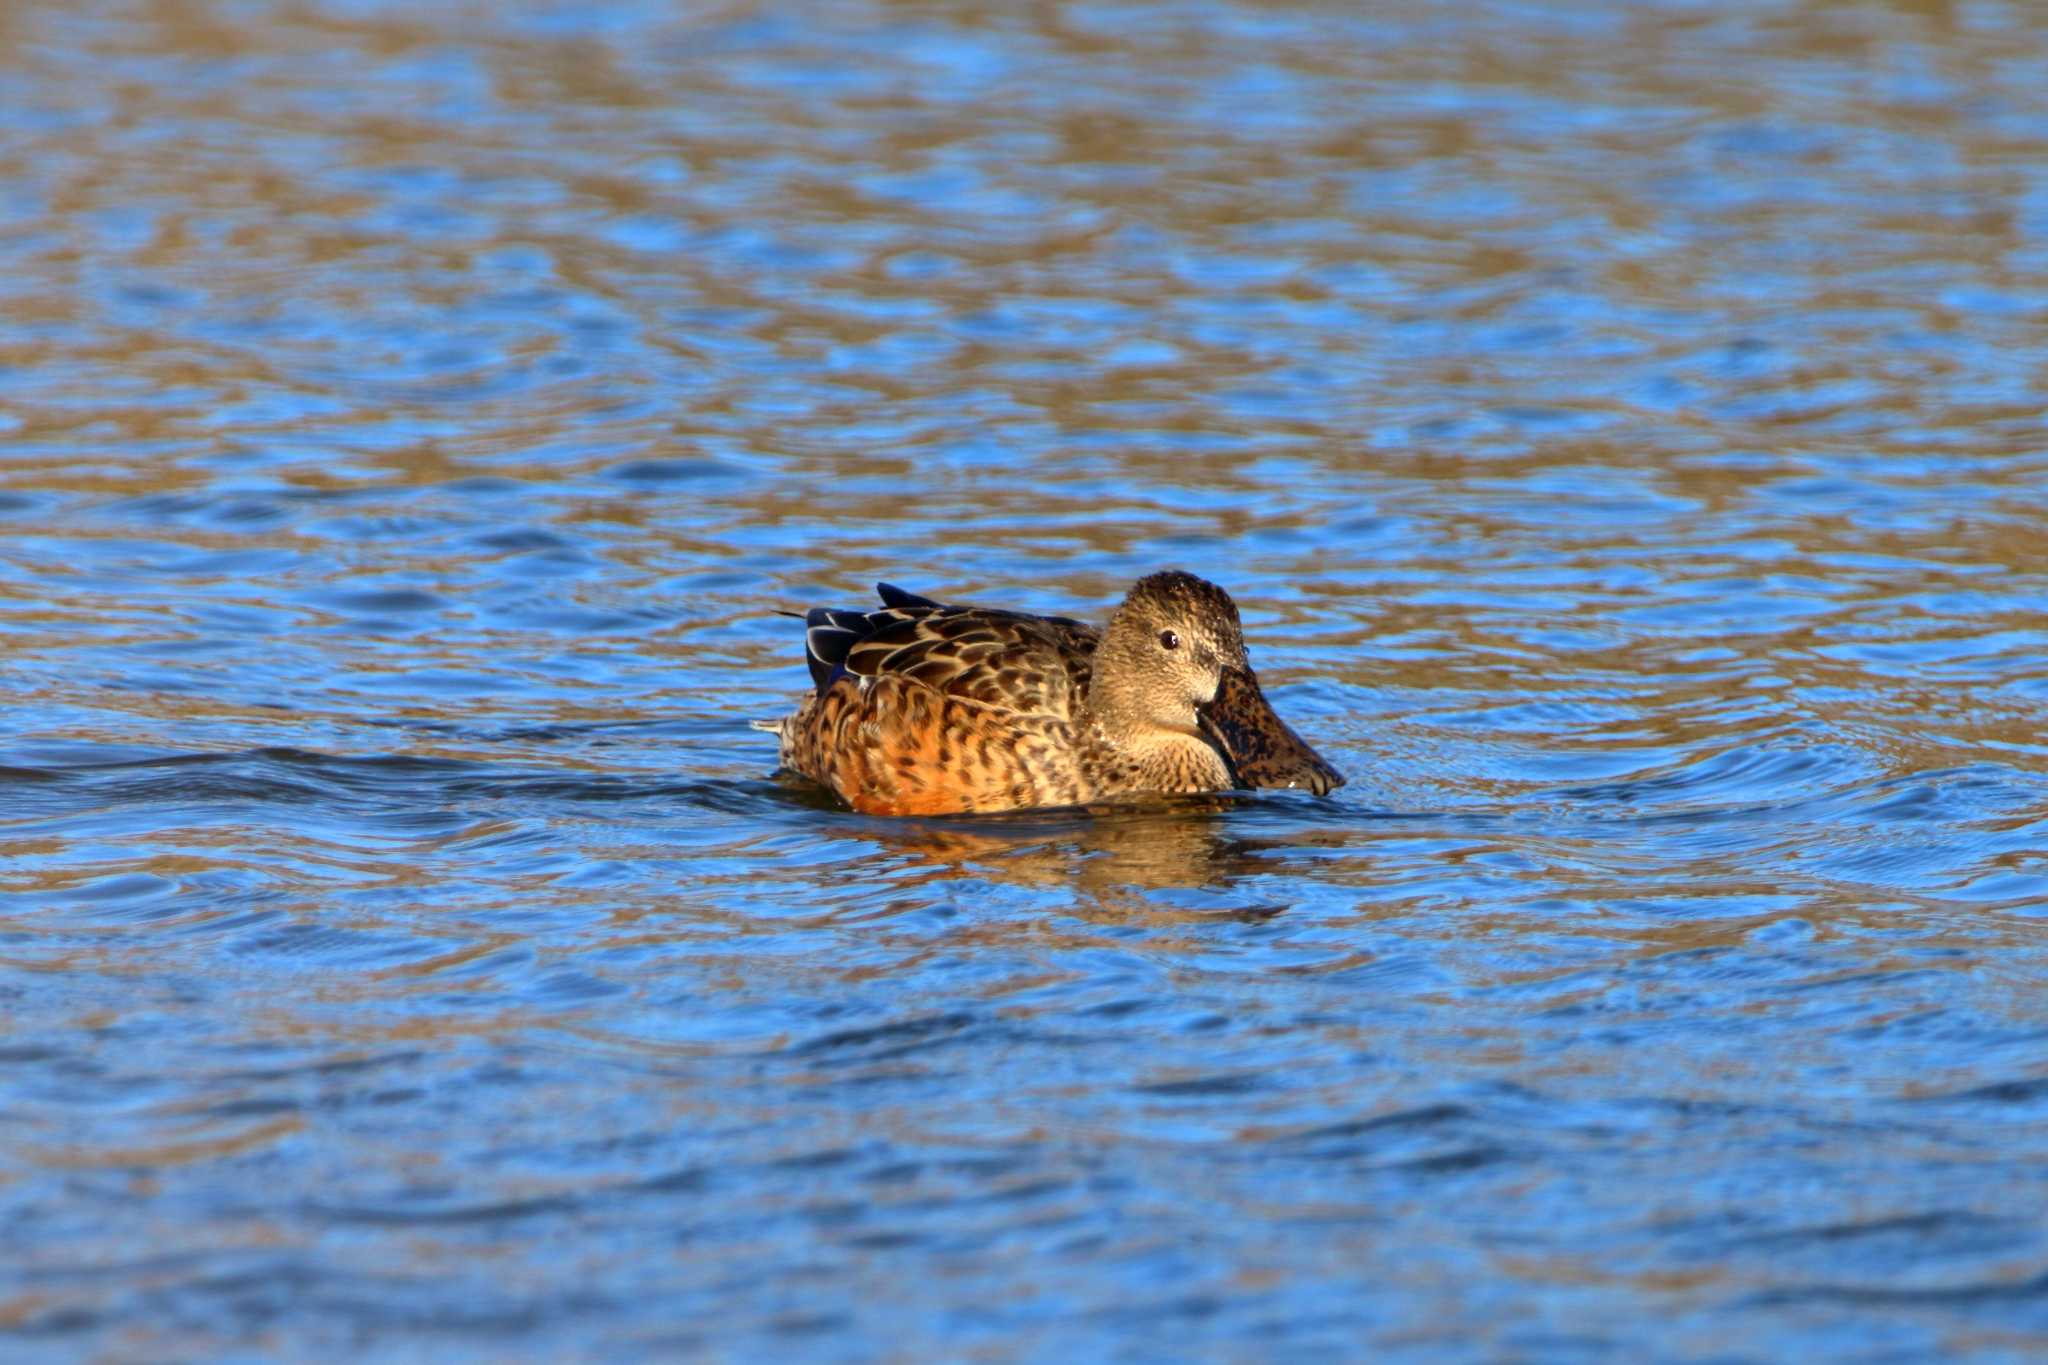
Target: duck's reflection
<point>1113,858</point>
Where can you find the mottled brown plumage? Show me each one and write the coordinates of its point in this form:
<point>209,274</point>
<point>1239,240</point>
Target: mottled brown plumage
<point>926,709</point>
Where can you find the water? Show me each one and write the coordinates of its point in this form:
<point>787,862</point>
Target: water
<point>1620,424</point>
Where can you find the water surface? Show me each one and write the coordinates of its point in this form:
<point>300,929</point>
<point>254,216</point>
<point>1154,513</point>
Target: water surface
<point>1620,424</point>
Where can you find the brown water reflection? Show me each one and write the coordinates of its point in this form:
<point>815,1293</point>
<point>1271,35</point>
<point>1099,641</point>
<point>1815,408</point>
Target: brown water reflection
<point>1621,427</point>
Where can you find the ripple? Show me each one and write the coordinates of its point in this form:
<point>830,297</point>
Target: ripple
<point>1627,461</point>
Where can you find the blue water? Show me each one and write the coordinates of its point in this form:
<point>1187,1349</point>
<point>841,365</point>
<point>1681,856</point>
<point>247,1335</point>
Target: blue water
<point>1619,424</point>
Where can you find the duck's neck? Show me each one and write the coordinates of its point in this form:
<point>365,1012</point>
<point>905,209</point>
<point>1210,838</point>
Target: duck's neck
<point>1127,715</point>
<point>1151,756</point>
<point>1134,740</point>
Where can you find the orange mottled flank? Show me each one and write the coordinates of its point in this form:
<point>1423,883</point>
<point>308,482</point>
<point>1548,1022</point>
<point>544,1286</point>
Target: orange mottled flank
<point>896,746</point>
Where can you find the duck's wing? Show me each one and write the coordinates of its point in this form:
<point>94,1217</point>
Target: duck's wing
<point>1034,665</point>
<point>893,596</point>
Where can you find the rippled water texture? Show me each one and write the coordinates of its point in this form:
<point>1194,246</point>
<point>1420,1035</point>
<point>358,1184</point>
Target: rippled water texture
<point>1621,423</point>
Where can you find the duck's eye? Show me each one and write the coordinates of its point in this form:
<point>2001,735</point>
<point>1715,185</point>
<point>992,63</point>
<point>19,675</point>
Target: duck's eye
<point>1168,640</point>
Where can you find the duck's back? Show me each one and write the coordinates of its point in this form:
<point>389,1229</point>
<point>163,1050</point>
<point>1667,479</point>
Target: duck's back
<point>925,709</point>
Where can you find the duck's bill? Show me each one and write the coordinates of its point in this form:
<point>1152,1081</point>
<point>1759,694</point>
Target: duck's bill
<point>1260,748</point>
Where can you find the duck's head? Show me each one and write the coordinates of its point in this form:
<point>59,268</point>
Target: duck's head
<point>1173,658</point>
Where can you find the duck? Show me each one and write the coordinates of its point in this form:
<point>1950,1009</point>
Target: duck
<point>922,708</point>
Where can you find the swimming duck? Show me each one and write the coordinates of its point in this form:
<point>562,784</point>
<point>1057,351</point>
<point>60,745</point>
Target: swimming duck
<point>926,709</point>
